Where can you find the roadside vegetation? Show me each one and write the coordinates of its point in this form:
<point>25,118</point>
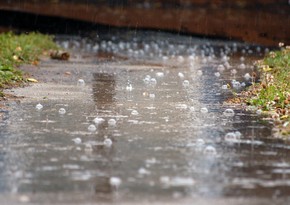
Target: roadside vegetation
<point>16,50</point>
<point>271,95</point>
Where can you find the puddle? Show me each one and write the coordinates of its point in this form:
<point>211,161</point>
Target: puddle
<point>159,132</point>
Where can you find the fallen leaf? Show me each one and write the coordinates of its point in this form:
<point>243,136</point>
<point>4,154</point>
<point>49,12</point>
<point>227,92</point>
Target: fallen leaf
<point>32,80</point>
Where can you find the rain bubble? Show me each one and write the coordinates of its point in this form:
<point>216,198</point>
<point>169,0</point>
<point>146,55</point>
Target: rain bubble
<point>152,95</point>
<point>242,66</point>
<point>224,87</point>
<point>217,74</point>
<point>62,111</point>
<point>39,106</point>
<point>81,82</point>
<point>112,122</point>
<point>200,142</point>
<point>77,140</point>
<point>129,87</point>
<point>115,181</point>
<point>153,81</point>
<point>160,74</point>
<point>191,108</point>
<point>210,150</point>
<point>259,112</point>
<point>181,75</point>
<point>185,83</point>
<point>143,171</point>
<point>134,112</point>
<point>199,72</point>
<point>98,120</point>
<point>229,112</point>
<point>221,68</point>
<point>247,76</point>
<point>242,58</point>
<point>92,128</point>
<point>232,137</point>
<point>204,110</point>
<point>108,142</point>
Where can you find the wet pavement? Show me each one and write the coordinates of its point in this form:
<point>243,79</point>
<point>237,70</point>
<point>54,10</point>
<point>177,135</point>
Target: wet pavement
<point>140,118</point>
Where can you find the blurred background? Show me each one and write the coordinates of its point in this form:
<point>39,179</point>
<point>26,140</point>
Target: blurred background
<point>265,22</point>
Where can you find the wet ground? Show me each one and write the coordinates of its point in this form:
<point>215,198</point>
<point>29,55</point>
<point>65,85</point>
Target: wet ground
<point>140,118</point>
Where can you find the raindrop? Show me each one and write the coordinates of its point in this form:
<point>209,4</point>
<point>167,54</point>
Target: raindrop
<point>204,110</point>
<point>39,106</point>
<point>81,82</point>
<point>77,140</point>
<point>108,142</point>
<point>112,122</point>
<point>62,111</point>
<point>229,112</point>
<point>210,150</point>
<point>98,120</point>
<point>115,181</point>
<point>92,128</point>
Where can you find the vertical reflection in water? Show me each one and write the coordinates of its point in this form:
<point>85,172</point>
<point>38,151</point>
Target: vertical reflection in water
<point>104,85</point>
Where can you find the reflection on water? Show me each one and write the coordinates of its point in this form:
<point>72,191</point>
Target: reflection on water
<point>168,132</point>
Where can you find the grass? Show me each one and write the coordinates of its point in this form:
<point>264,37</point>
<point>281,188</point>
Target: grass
<point>272,94</point>
<point>16,50</point>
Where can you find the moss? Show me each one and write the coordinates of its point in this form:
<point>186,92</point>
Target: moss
<point>16,50</point>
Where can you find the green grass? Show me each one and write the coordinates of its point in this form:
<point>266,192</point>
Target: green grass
<point>272,95</point>
<point>16,50</point>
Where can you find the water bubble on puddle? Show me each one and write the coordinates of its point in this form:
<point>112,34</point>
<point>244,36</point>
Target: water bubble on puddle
<point>134,112</point>
<point>221,68</point>
<point>229,112</point>
<point>227,65</point>
<point>232,137</point>
<point>112,122</point>
<point>181,106</point>
<point>77,140</point>
<point>98,120</point>
<point>242,66</point>
<point>153,81</point>
<point>108,142</point>
<point>224,87</point>
<point>143,171</point>
<point>210,150</point>
<point>180,75</point>
<point>115,181</point>
<point>81,82</point>
<point>176,181</point>
<point>236,84</point>
<point>147,78</point>
<point>200,142</point>
<point>92,128</point>
<point>88,147</point>
<point>259,112</point>
<point>199,73</point>
<point>192,109</point>
<point>61,111</point>
<point>247,76</point>
<point>233,71</point>
<point>129,87</point>
<point>204,110</point>
<point>159,74</point>
<point>217,74</point>
<point>152,95</point>
<point>39,106</point>
<point>242,58</point>
<point>185,83</point>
